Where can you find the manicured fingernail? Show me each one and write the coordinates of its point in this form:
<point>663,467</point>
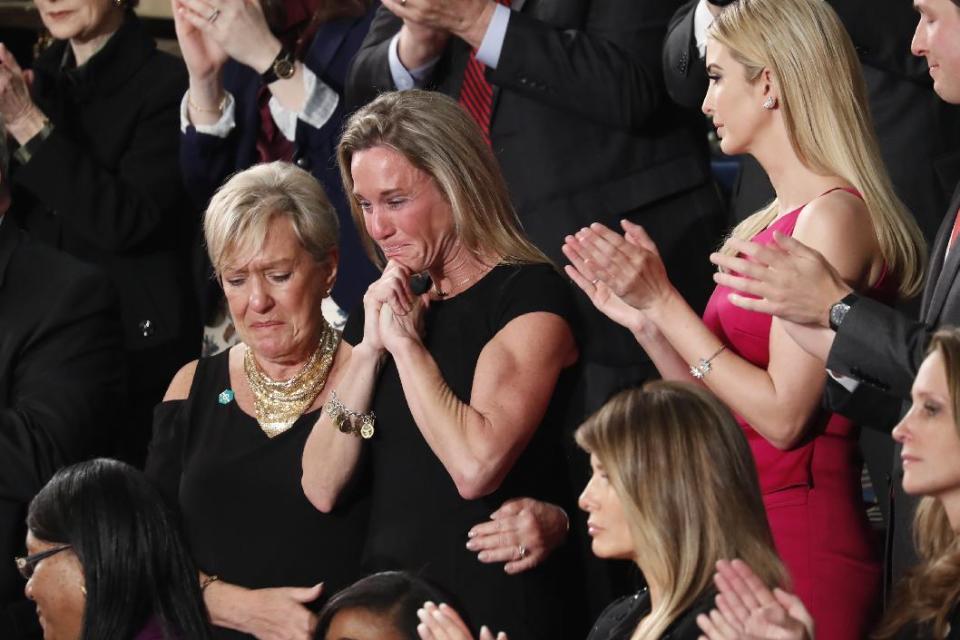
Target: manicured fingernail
<point>421,613</point>
<point>482,556</point>
<point>471,545</point>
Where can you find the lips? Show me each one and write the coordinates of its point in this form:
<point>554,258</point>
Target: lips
<point>265,324</point>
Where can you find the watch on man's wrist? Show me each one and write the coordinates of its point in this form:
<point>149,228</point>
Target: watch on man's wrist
<point>838,311</point>
<point>282,68</point>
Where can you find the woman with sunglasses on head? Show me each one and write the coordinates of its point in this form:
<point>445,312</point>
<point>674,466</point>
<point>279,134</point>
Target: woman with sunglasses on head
<point>107,560</point>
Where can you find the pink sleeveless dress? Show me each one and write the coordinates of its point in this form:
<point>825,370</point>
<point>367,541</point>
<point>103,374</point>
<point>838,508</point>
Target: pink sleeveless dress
<point>812,492</point>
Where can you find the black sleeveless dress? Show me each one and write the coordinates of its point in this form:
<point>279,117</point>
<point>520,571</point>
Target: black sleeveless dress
<point>238,491</point>
<point>418,520</point>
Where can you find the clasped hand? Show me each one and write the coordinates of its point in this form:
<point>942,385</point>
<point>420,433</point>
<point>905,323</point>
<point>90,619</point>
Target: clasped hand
<point>393,314</point>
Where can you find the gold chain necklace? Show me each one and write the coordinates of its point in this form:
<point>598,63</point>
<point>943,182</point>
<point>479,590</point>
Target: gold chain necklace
<point>279,404</point>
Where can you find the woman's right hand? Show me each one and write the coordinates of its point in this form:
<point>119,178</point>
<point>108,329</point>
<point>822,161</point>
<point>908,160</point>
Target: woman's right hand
<point>392,288</point>
<point>278,613</point>
<point>201,53</point>
<point>238,27</point>
<point>444,623</point>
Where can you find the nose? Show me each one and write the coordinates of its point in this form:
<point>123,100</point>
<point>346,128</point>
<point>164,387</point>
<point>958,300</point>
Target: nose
<point>707,105</point>
<point>379,225</point>
<point>260,299</point>
<point>901,432</point>
<point>28,589</point>
<point>585,501</point>
<point>918,46</point>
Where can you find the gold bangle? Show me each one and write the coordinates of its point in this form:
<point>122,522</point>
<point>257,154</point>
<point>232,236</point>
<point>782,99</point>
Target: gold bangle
<point>207,581</point>
<point>218,110</point>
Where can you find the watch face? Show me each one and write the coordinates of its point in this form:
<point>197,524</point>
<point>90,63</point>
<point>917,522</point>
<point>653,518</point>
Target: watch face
<point>284,68</point>
<point>837,313</point>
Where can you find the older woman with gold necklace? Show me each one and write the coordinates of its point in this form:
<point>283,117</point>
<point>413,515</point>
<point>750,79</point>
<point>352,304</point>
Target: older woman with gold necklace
<point>229,435</point>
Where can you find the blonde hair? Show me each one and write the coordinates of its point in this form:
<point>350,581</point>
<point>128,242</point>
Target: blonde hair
<point>929,592</point>
<point>240,212</point>
<point>824,103</point>
<point>684,474</point>
<point>439,138</point>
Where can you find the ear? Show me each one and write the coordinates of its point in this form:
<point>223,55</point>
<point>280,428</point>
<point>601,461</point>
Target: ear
<point>769,85</point>
<point>331,265</point>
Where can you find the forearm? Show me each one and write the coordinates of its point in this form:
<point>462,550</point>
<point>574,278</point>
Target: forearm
<point>205,99</point>
<point>816,341</point>
<point>748,390</point>
<point>664,357</point>
<point>226,604</point>
<point>459,435</point>
<point>330,456</point>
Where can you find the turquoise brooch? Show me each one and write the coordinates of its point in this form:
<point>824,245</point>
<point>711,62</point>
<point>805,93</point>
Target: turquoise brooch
<point>225,397</point>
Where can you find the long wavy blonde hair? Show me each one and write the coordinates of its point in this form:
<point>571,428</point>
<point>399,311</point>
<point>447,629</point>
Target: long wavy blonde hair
<point>439,138</point>
<point>823,98</point>
<point>685,477</point>
<point>931,591</point>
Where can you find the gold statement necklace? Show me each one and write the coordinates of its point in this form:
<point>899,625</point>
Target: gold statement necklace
<point>278,404</point>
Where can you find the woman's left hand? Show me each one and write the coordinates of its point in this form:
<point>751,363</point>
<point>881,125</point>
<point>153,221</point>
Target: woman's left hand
<point>23,119</point>
<point>398,331</point>
<point>239,27</point>
<point>443,623</point>
<point>629,265</point>
<point>521,533</point>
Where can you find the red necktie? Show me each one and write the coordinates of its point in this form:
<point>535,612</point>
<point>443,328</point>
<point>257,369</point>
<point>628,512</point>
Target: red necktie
<point>476,94</point>
<point>955,232</point>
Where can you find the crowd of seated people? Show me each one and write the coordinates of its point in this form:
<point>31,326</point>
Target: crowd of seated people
<point>441,252</point>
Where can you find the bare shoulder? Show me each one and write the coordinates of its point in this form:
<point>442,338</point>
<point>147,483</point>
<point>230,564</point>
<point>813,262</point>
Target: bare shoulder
<point>538,334</point>
<point>179,387</point>
<point>837,216</point>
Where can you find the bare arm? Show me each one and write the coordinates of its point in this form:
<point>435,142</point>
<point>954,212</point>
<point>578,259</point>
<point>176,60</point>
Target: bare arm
<point>514,380</point>
<point>779,400</point>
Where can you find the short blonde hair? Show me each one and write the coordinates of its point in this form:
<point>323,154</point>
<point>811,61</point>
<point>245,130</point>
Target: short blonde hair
<point>824,101</point>
<point>240,212</point>
<point>439,138</point>
<point>685,476</point>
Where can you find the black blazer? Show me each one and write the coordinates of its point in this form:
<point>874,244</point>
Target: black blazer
<point>105,187</point>
<point>61,372</point>
<point>919,134</point>
<point>581,123</point>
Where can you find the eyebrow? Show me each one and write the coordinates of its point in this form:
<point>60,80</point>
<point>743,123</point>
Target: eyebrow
<point>383,194</point>
<point>270,265</point>
<point>713,67</point>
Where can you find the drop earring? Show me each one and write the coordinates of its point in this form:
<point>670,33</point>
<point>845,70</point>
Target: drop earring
<point>769,103</point>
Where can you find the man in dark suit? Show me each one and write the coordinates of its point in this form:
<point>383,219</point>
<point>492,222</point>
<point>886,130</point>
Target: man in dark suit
<point>61,372</point>
<point>872,351</point>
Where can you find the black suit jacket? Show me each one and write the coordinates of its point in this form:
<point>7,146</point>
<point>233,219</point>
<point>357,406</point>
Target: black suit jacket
<point>919,134</point>
<point>884,348</point>
<point>583,129</point>
<point>61,372</point>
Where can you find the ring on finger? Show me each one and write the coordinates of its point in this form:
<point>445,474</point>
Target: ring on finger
<point>521,551</point>
<point>595,281</point>
<point>403,3</point>
<point>213,16</point>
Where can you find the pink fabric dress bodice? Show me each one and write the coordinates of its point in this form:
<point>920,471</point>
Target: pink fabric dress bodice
<point>812,491</point>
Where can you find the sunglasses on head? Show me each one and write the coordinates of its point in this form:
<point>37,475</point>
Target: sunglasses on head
<point>27,564</point>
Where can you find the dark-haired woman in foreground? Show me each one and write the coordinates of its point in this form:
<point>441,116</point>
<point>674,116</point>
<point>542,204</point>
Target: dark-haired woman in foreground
<point>106,559</point>
<point>673,488</point>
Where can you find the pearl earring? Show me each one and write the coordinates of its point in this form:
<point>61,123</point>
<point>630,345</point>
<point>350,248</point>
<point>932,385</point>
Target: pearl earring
<point>770,103</point>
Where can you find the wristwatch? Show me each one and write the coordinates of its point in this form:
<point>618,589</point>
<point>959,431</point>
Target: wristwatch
<point>838,311</point>
<point>282,68</point>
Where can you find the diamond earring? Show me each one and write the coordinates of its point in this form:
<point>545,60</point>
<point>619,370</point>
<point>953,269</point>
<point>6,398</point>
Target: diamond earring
<point>769,103</point>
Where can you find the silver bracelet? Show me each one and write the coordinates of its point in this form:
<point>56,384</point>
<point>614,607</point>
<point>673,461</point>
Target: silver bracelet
<point>701,369</point>
<point>350,422</point>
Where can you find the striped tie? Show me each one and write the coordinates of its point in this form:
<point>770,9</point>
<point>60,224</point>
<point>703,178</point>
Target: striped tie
<point>476,94</point>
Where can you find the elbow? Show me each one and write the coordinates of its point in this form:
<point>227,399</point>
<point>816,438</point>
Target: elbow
<point>322,500</point>
<point>787,436</point>
<point>478,481</point>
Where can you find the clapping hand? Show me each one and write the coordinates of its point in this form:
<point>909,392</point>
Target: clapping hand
<point>443,623</point>
<point>787,278</point>
<point>23,119</point>
<point>234,28</point>
<point>748,610</point>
